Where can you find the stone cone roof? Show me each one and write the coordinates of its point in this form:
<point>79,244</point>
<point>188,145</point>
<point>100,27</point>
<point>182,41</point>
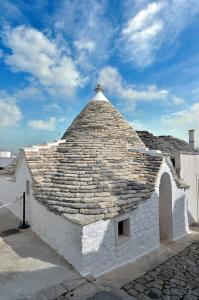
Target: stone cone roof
<point>99,121</point>
<point>96,171</point>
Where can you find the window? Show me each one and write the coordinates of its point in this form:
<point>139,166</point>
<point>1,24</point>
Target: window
<point>27,187</point>
<point>123,228</point>
<point>173,161</point>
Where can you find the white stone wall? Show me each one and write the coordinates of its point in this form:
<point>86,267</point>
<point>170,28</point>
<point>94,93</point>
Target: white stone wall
<point>13,187</point>
<point>57,231</point>
<point>101,250</point>
<point>61,234</point>
<point>189,171</point>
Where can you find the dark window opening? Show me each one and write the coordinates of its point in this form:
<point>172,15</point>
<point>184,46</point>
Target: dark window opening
<point>120,228</point>
<point>173,161</point>
<point>123,228</point>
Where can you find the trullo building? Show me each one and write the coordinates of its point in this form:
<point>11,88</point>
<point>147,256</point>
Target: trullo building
<point>98,196</point>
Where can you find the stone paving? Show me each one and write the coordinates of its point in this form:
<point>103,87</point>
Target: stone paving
<point>177,278</point>
<point>102,295</point>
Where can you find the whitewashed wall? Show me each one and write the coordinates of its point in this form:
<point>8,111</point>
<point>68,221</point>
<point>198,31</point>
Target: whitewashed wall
<point>61,234</point>
<point>100,247</point>
<point>190,173</point>
<point>57,231</point>
<point>12,187</point>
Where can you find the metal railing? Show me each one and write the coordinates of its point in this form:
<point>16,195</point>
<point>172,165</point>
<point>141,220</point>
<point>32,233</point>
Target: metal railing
<point>23,224</point>
<point>11,202</point>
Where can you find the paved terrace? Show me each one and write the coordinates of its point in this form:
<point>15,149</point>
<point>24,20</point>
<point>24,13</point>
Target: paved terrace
<point>27,264</point>
<point>31,270</point>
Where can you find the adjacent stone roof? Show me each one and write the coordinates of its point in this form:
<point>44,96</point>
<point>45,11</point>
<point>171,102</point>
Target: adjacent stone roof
<point>167,144</point>
<point>96,171</point>
<point>10,169</point>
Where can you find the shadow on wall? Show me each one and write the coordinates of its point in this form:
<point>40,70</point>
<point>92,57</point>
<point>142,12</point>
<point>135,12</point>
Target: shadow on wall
<point>191,219</point>
<point>172,217</point>
<point>180,218</point>
<point>165,207</point>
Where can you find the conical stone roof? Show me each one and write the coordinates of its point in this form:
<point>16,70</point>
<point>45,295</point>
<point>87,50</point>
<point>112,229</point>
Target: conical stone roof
<point>99,121</point>
<point>96,171</point>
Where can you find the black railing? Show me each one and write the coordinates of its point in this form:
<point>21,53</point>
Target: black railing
<point>24,224</point>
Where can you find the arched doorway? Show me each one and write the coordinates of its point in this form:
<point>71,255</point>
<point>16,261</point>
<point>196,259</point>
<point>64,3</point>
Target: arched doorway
<point>165,207</point>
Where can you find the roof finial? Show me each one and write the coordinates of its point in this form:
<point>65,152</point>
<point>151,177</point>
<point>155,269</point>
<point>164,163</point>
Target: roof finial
<point>99,96</point>
<point>99,88</point>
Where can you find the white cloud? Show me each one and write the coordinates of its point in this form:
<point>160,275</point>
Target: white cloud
<point>29,92</point>
<point>49,124</point>
<point>43,58</point>
<point>52,107</point>
<point>154,27</point>
<point>113,82</point>
<point>110,78</point>
<point>85,45</point>
<point>90,30</point>
<point>186,119</point>
<point>141,34</point>
<point>143,18</point>
<point>178,123</point>
<point>178,100</point>
<point>10,114</point>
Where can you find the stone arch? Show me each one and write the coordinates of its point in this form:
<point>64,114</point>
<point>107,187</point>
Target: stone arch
<point>165,207</point>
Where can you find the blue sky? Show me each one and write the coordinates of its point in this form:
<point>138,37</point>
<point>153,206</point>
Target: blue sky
<point>53,53</point>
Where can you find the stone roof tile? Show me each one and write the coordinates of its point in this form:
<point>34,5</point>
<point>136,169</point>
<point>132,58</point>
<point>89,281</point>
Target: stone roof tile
<point>96,171</point>
<point>166,144</point>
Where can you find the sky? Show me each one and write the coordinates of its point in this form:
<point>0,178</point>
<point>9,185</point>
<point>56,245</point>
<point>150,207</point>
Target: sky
<point>53,53</point>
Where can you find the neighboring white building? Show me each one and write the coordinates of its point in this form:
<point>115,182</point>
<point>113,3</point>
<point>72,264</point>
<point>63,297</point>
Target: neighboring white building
<point>188,166</point>
<point>98,196</point>
<point>6,158</point>
<point>185,159</point>
<point>5,153</point>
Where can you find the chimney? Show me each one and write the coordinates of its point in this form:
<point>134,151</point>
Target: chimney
<point>192,138</point>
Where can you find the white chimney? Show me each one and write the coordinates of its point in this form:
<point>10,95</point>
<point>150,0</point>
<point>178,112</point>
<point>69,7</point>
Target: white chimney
<point>192,138</point>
